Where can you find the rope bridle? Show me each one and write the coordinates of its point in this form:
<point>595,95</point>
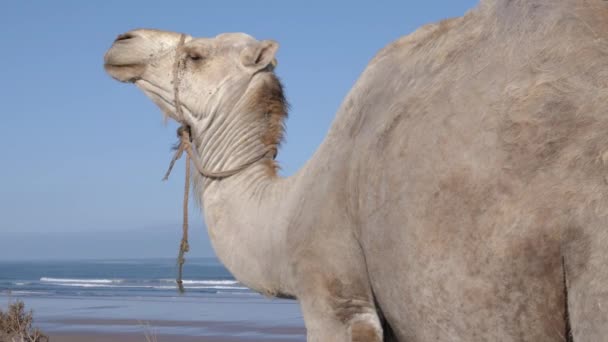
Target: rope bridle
<point>185,145</point>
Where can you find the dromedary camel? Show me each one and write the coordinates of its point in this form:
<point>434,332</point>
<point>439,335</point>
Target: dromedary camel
<point>461,193</point>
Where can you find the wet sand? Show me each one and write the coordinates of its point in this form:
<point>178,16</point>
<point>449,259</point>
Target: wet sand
<point>96,337</point>
<point>105,331</point>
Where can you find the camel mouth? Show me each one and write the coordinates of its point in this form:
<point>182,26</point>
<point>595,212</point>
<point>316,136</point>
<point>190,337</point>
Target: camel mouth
<point>127,73</point>
<point>131,52</point>
<point>120,62</point>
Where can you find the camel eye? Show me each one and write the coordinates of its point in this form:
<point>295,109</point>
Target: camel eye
<point>193,56</point>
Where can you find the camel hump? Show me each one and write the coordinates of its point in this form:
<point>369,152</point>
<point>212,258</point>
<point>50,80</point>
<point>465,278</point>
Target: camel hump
<point>497,62</point>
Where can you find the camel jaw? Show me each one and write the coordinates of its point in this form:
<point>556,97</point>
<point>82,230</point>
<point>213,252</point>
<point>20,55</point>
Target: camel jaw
<point>160,97</point>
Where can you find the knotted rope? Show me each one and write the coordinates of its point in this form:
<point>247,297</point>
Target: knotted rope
<point>185,145</point>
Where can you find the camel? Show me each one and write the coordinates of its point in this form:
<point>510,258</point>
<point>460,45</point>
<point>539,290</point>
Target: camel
<point>461,193</point>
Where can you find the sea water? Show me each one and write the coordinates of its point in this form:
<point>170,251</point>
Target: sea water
<point>116,278</point>
<point>105,295</point>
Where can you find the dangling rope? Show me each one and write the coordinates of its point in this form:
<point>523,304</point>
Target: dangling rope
<point>184,247</point>
<point>185,145</point>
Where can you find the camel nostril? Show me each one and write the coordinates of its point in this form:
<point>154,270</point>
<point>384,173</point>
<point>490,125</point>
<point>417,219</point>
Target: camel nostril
<point>124,36</point>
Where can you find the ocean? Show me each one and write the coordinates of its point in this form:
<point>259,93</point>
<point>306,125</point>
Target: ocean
<point>130,296</point>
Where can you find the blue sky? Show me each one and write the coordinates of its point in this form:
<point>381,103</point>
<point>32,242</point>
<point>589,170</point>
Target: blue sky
<point>83,153</point>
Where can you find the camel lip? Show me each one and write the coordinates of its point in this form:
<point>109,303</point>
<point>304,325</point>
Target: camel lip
<point>118,65</point>
<point>111,58</point>
<point>117,72</point>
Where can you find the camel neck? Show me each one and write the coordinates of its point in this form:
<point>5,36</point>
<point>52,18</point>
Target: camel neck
<point>246,223</point>
<point>235,131</point>
<point>228,145</point>
<point>243,211</point>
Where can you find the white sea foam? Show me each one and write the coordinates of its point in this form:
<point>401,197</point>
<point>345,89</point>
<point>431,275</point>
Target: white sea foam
<point>21,293</point>
<point>203,282</point>
<point>104,285</point>
<point>212,287</point>
<point>160,287</point>
<point>80,281</point>
<point>119,283</point>
<point>248,293</point>
<point>84,285</point>
<point>210,282</point>
<point>217,287</point>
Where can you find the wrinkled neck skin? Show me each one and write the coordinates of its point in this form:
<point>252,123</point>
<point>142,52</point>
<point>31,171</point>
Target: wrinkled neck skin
<point>243,212</point>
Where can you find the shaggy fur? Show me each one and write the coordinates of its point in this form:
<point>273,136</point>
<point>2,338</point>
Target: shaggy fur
<point>269,101</point>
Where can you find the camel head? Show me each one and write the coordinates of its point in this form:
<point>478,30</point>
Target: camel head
<point>212,74</point>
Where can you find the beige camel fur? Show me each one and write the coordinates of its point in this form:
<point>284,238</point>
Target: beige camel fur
<point>461,193</point>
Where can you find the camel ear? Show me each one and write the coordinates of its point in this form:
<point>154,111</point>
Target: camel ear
<point>260,55</point>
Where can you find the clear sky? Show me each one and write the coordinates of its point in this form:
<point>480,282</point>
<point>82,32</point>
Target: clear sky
<point>82,155</point>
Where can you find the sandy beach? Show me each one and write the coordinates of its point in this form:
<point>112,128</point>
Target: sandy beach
<point>247,320</point>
